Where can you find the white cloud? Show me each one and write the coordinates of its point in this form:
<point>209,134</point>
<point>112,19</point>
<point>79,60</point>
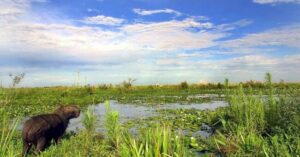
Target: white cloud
<point>16,7</point>
<point>13,9</point>
<point>239,68</point>
<point>171,35</point>
<point>284,36</point>
<point>194,55</point>
<point>250,61</point>
<point>275,1</point>
<point>200,18</point>
<point>103,20</point>
<point>96,45</point>
<point>92,10</point>
<point>234,25</point>
<point>144,12</point>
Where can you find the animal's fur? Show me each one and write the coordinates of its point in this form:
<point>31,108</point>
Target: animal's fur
<point>41,129</point>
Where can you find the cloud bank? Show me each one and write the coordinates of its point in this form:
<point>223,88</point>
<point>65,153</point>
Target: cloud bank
<point>275,1</point>
<point>112,49</point>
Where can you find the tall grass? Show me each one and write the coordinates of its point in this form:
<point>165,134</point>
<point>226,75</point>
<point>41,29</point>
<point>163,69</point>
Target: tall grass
<point>246,111</point>
<point>7,134</point>
<point>155,142</point>
<point>112,126</point>
<point>89,120</point>
<point>254,125</point>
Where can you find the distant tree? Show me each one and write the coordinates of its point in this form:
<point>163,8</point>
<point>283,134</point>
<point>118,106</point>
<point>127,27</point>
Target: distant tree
<point>16,79</point>
<point>128,83</point>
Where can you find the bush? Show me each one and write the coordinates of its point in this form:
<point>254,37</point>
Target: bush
<point>184,85</point>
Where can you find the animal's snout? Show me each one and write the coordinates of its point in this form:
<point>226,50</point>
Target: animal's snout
<point>77,113</point>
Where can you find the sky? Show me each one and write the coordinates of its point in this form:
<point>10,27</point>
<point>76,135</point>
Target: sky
<point>59,42</point>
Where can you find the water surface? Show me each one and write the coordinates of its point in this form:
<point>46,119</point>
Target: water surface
<point>134,111</point>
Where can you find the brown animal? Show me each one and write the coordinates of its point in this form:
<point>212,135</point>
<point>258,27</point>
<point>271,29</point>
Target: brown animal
<point>41,129</point>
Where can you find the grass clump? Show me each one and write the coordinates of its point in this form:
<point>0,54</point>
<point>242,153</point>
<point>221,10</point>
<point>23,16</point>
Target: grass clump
<point>112,126</point>
<point>7,135</point>
<point>256,125</point>
<point>154,142</point>
<point>89,120</point>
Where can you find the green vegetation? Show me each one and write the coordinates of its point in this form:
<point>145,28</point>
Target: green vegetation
<point>7,136</point>
<point>32,101</point>
<point>159,141</point>
<point>262,119</point>
<point>260,126</point>
<point>89,121</point>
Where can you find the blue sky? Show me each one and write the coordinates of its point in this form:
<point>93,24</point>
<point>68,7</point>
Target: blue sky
<point>154,41</point>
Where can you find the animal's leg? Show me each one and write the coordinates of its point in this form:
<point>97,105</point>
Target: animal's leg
<point>41,145</point>
<point>26,148</point>
<point>58,140</point>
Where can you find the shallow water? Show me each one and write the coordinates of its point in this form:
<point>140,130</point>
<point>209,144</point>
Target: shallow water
<point>126,112</point>
<point>198,106</point>
<point>133,111</point>
<point>201,96</point>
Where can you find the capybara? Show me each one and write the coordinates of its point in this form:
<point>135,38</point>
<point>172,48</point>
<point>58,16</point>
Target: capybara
<point>41,129</point>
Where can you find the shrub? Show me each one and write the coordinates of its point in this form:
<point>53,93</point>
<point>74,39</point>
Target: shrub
<point>184,85</point>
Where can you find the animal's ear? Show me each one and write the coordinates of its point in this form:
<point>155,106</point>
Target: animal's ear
<point>59,108</point>
<point>68,108</point>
